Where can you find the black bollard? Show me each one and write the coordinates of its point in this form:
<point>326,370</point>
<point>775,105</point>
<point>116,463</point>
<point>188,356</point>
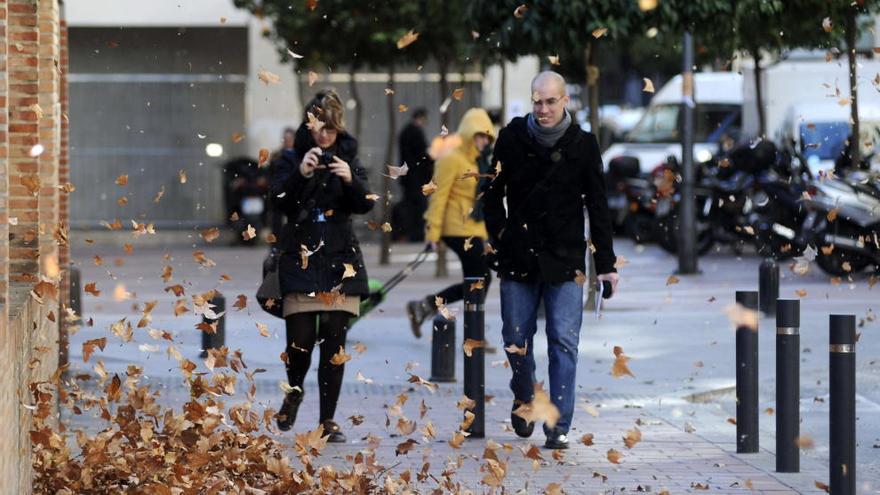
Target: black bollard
<point>788,385</point>
<point>747,379</point>
<point>75,291</point>
<point>443,350</point>
<point>768,286</point>
<point>474,366</point>
<point>842,404</point>
<point>217,339</point>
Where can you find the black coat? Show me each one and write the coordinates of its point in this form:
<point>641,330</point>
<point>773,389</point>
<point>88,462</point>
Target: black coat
<point>414,152</point>
<point>540,237</point>
<point>301,199</point>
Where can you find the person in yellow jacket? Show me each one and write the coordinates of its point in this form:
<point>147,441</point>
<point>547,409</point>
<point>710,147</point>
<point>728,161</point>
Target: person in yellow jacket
<point>455,213</point>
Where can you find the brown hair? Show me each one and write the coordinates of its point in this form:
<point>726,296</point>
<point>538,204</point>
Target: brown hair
<point>326,106</point>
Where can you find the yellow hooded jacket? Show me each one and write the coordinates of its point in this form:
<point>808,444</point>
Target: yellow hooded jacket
<point>450,207</point>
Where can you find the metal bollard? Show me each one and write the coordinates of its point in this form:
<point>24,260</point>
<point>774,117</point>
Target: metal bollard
<point>842,404</point>
<point>75,290</point>
<point>217,339</point>
<point>443,350</point>
<point>747,380</point>
<point>788,385</point>
<point>768,286</point>
<point>474,366</point>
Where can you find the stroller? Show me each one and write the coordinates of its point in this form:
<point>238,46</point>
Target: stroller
<point>378,289</point>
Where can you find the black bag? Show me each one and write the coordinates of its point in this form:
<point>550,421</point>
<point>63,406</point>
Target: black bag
<point>270,289</point>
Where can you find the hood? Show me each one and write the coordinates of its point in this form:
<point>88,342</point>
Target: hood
<point>474,121</point>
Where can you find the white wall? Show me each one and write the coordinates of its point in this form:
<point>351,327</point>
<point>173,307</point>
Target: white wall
<point>518,87</point>
<point>268,109</point>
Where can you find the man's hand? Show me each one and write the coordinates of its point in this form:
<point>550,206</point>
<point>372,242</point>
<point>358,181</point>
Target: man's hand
<point>612,277</point>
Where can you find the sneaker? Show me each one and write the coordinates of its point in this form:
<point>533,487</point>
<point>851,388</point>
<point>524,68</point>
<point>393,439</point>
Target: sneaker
<point>287,414</point>
<point>332,430</point>
<point>418,311</point>
<point>522,427</point>
<point>556,442</point>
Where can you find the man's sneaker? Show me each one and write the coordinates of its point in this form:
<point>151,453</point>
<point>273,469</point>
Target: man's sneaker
<point>287,414</point>
<point>556,442</point>
<point>332,430</point>
<point>522,427</point>
<point>418,311</point>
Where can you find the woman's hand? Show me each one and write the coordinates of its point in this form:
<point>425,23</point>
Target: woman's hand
<point>310,162</point>
<point>341,169</point>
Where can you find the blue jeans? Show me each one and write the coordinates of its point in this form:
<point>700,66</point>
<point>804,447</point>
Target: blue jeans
<point>563,308</point>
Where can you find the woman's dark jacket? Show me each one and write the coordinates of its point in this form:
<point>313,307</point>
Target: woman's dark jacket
<point>540,236</point>
<point>305,201</point>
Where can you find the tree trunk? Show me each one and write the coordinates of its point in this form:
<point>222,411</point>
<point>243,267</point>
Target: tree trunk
<point>503,92</point>
<point>759,94</point>
<point>385,250</point>
<point>855,140</point>
<point>358,116</point>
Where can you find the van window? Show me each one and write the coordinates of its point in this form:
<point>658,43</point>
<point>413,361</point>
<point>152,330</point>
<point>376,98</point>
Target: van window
<point>825,140</point>
<point>660,124</point>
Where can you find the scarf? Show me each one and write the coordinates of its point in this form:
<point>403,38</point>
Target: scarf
<point>547,136</point>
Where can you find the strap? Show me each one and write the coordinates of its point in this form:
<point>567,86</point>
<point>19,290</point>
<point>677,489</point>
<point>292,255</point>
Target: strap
<point>402,274</point>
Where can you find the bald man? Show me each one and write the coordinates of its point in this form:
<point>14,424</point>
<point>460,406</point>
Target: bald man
<point>549,171</point>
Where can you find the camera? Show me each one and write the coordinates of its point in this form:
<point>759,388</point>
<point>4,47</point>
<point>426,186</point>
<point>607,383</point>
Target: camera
<point>326,158</point>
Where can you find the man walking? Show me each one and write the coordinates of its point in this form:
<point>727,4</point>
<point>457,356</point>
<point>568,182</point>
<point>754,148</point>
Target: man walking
<point>414,153</point>
<point>549,170</point>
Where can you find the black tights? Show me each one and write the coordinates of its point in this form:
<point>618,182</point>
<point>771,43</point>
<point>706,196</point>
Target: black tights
<point>303,330</point>
<point>473,264</point>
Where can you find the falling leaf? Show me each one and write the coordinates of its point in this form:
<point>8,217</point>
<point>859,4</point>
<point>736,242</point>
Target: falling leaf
<point>356,419</point>
<point>742,317</point>
<point>360,347</point>
<point>646,5</point>
<point>471,344</point>
<point>372,197</point>
<point>122,180</point>
<point>401,108</point>
<point>801,292</point>
<point>672,280</point>
<point>620,368</point>
<point>826,25</point>
<point>313,78</point>
<point>340,357</point>
<point>92,289</point>
<point>404,448</point>
<point>181,176</point>
<point>539,409</point>
<point>268,77</point>
<point>264,158</point>
<point>457,439</point>
<point>467,421</point>
<point>520,11</point>
<point>802,263</point>
<point>389,91</point>
<point>210,234</point>
<point>599,32</point>
<point>519,351</point>
<point>159,195</point>
<point>832,214</point>
<point>396,172</point>
<point>587,439</point>
<point>613,456</point>
<point>620,262</point>
<point>386,227</point>
<point>314,124</point>
<point>649,86</point>
<point>458,94</point>
<point>349,271</point>
<point>478,285</point>
<point>249,233</point>
<point>632,437</point>
<point>89,346</point>
<point>361,378</point>
<point>804,442</point>
<point>822,486</point>
<point>407,39</point>
<point>580,278</point>
<point>293,55</point>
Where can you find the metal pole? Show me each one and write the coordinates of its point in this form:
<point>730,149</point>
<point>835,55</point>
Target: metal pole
<point>768,286</point>
<point>747,380</point>
<point>788,385</point>
<point>217,339</point>
<point>443,350</point>
<point>687,252</point>
<point>76,291</point>
<point>842,385</point>
<point>474,366</point>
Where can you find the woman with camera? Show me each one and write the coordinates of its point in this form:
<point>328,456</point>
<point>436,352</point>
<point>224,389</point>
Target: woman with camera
<point>319,185</point>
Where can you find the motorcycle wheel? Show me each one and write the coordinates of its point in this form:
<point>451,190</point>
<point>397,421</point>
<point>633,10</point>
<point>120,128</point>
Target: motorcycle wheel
<point>833,263</point>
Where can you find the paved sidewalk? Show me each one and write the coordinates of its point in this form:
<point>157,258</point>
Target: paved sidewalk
<point>679,343</point>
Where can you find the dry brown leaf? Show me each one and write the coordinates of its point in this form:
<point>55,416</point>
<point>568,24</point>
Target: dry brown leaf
<point>466,403</point>
<point>587,439</point>
<point>401,108</point>
<point>613,456</point>
<point>407,39</point>
<point>822,486</point>
<point>340,357</point>
<point>263,159</point>
<point>471,344</point>
<point>620,368</point>
<point>599,32</point>
<point>519,351</point>
<point>458,94</point>
<point>404,447</point>
<point>457,439</point>
<point>268,77</point>
<point>92,289</point>
<point>264,329</point>
<point>313,78</point>
<point>122,180</point>
<point>580,278</point>
<point>804,442</point>
<point>832,214</point>
<point>672,280</point>
<point>88,347</point>
<point>520,11</point>
<point>649,86</point>
<point>632,437</point>
<point>210,234</point>
<point>181,176</point>
<point>405,427</point>
<point>429,188</point>
<point>741,316</point>
<point>540,409</point>
<point>349,271</point>
<point>314,124</point>
<point>801,292</point>
<point>827,25</point>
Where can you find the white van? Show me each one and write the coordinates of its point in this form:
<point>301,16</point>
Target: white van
<point>719,99</point>
<point>818,131</point>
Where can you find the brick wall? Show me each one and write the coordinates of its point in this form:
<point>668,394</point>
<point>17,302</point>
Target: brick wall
<point>31,216</point>
<point>63,204</point>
